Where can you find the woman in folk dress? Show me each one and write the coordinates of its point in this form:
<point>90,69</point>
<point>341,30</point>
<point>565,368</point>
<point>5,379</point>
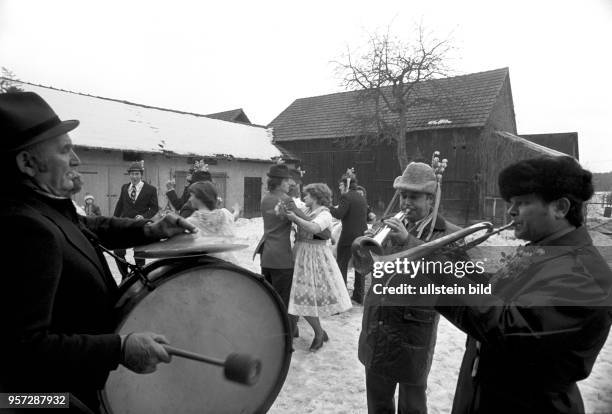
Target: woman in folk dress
<point>318,288</point>
<point>210,220</point>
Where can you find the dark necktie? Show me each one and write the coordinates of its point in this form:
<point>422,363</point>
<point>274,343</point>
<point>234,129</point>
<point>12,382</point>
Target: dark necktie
<point>133,193</point>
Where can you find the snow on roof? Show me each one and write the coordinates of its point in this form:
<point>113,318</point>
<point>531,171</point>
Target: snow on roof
<point>117,125</point>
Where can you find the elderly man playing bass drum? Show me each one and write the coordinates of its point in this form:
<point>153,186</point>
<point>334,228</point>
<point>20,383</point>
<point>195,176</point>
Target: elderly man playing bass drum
<point>56,308</point>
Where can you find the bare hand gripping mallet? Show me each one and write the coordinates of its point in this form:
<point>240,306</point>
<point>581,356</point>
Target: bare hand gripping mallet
<point>240,368</point>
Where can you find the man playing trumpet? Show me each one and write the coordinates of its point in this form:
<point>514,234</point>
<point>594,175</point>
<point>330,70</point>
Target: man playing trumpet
<point>549,315</point>
<point>396,343</point>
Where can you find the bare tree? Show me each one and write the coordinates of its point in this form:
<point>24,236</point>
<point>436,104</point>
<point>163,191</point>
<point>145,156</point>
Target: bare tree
<point>7,80</point>
<point>391,75</point>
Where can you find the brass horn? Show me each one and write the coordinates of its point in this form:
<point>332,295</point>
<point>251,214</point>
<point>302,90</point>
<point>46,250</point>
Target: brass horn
<point>363,246</point>
<point>425,249</point>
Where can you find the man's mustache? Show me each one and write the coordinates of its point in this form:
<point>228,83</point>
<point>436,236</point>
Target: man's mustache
<point>77,183</point>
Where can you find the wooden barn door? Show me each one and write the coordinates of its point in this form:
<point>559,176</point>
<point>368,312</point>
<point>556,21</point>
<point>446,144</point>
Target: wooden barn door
<point>252,197</point>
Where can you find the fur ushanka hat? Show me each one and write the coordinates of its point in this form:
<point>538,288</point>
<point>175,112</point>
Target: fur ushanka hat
<point>549,177</point>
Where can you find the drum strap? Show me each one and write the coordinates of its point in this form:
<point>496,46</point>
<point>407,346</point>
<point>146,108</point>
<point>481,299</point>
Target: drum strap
<point>91,236</point>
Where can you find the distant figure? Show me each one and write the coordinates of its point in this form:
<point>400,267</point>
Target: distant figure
<point>352,211</point>
<point>90,208</point>
<point>137,200</point>
<point>370,216</point>
<point>198,173</point>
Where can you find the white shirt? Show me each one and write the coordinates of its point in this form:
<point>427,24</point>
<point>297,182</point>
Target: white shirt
<point>138,188</point>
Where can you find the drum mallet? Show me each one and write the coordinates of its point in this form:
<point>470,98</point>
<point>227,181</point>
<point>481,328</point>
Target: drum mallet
<point>240,368</point>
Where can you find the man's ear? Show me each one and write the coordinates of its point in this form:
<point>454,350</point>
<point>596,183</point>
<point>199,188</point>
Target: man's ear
<point>561,207</point>
<point>26,163</point>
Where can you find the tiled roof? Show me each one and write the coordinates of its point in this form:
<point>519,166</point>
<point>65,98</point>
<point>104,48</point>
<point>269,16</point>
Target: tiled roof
<point>235,115</point>
<point>119,125</point>
<point>541,149</point>
<point>460,101</point>
<point>566,142</point>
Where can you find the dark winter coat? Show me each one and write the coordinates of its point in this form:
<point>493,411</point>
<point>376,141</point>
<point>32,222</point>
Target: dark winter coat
<point>56,305</point>
<point>275,244</point>
<point>530,343</point>
<point>145,205</point>
<point>398,342</point>
<point>181,204</point>
<point>352,211</point>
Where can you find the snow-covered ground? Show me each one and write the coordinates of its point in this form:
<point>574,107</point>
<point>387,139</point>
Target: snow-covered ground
<point>332,380</point>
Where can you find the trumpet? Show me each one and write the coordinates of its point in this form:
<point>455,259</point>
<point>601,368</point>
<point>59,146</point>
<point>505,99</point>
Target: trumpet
<point>360,254</point>
<point>363,246</point>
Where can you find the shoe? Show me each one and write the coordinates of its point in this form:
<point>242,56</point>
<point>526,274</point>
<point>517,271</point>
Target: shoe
<point>317,342</point>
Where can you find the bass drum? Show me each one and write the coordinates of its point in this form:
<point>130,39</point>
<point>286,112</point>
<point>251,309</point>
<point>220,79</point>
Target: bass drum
<point>210,307</point>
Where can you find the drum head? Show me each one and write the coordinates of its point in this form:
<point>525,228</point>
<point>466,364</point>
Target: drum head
<point>211,310</point>
<point>185,245</point>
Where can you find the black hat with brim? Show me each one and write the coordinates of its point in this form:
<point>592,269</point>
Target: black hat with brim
<point>279,171</point>
<point>26,119</point>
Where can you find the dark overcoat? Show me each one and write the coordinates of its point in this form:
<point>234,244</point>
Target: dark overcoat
<point>275,244</point>
<point>398,342</point>
<point>56,303</point>
<point>538,335</point>
<point>182,204</point>
<point>352,210</point>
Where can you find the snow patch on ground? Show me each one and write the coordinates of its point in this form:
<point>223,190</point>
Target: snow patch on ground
<point>332,380</point>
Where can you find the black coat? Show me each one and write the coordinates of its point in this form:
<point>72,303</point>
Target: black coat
<point>352,211</point>
<point>538,335</point>
<point>398,342</point>
<point>182,204</point>
<point>146,203</point>
<point>56,306</point>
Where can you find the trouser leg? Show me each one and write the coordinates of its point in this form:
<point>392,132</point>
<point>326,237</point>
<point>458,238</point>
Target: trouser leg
<point>412,399</point>
<point>281,280</point>
<point>344,255</point>
<point>380,392</point>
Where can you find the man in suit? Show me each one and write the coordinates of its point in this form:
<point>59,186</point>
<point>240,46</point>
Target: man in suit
<point>56,310</point>
<point>549,315</point>
<point>274,247</point>
<point>352,211</point>
<point>136,200</point>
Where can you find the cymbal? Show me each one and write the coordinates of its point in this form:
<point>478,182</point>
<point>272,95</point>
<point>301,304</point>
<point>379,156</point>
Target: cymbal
<point>187,245</point>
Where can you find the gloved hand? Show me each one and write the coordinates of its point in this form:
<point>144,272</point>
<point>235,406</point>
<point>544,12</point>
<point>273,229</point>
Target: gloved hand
<point>141,352</point>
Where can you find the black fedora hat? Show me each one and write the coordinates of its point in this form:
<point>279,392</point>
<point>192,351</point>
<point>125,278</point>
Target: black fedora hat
<point>279,171</point>
<point>26,119</point>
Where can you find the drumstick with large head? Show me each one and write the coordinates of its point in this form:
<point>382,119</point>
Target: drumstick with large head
<point>240,368</point>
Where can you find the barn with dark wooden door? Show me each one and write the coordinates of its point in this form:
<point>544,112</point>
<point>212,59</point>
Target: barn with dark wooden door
<point>463,123</point>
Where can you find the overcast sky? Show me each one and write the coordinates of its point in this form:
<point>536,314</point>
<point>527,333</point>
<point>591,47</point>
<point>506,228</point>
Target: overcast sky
<point>261,55</point>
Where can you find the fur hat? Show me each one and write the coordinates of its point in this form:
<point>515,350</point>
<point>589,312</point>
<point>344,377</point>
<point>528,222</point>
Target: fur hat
<point>549,177</point>
<point>26,119</point>
<point>279,171</point>
<point>418,177</point>
<point>136,166</point>
<point>88,197</point>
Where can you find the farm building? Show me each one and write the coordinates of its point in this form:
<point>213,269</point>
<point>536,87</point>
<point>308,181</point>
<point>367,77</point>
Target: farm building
<point>467,118</point>
<point>113,133</point>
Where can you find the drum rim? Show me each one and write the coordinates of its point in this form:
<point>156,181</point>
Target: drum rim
<point>192,262</point>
